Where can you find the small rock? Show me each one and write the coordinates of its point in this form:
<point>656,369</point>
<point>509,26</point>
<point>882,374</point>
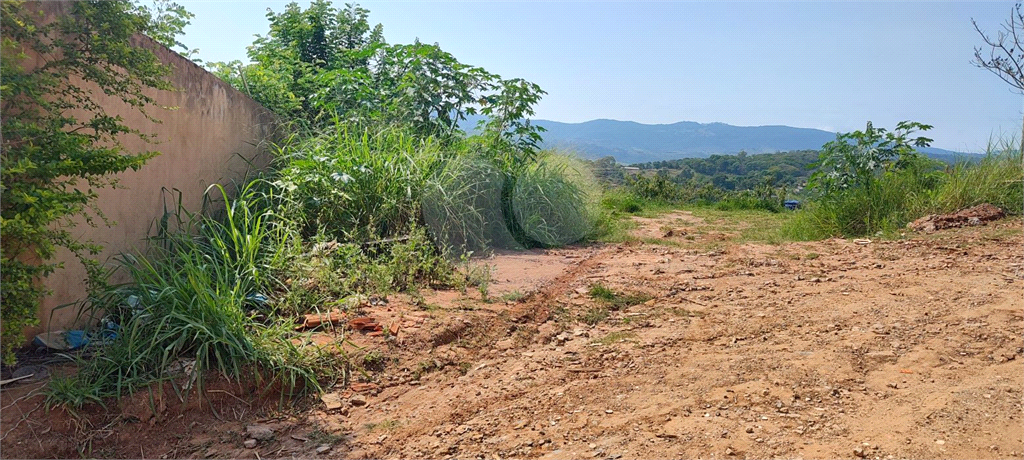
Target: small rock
<point>503,345</point>
<point>332,401</point>
<point>357,400</point>
<point>249,443</point>
<point>940,442</point>
<point>323,448</point>
<point>592,446</point>
<point>259,432</point>
<point>609,411</point>
<point>750,429</point>
<point>859,452</point>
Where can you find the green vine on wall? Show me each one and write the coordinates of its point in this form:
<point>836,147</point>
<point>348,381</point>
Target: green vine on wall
<point>58,144</point>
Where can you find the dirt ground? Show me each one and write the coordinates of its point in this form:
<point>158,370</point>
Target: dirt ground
<point>835,349</point>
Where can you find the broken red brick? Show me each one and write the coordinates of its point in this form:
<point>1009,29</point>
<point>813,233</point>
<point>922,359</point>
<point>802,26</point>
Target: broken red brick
<point>314,320</point>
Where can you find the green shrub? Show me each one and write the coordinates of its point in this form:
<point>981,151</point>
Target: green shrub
<point>620,200</point>
<point>657,188</point>
<point>59,145</point>
<point>462,206</point>
<point>868,182</point>
<point>554,202</point>
<point>885,205</point>
<point>354,184</point>
<point>997,179</point>
<point>193,296</point>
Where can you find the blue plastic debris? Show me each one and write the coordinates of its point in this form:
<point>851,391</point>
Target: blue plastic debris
<point>258,299</point>
<point>791,204</point>
<point>62,340</point>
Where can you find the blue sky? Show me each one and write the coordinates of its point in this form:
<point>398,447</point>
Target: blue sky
<point>830,66</point>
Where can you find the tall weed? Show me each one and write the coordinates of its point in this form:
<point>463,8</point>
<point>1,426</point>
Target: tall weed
<point>555,201</point>
<point>355,184</point>
<point>997,179</point>
<point>194,297</point>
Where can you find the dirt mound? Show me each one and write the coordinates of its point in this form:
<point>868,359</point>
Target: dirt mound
<point>974,216</point>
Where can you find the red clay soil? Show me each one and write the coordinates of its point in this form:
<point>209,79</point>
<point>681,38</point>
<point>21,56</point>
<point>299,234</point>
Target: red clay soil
<point>833,349</point>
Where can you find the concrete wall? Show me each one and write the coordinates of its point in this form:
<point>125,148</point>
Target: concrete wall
<point>205,139</point>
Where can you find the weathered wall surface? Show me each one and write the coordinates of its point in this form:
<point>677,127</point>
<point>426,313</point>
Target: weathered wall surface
<point>210,133</point>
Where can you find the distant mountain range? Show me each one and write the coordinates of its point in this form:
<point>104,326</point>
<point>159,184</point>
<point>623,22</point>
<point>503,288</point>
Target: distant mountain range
<point>630,142</point>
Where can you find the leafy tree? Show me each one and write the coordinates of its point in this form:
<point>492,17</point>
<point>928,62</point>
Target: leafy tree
<point>321,64</point>
<point>59,145</point>
<point>1005,56</point>
<point>857,159</point>
<point>166,21</point>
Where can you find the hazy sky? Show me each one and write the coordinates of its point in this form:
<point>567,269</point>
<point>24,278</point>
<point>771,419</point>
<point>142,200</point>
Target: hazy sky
<point>830,66</point>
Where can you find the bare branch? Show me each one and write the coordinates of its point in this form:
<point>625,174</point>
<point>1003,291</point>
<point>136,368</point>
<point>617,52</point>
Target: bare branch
<point>1002,60</point>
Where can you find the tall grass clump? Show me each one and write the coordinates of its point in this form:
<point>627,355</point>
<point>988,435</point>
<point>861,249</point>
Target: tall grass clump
<point>997,179</point>
<point>462,206</point>
<point>884,205</point>
<point>355,184</point>
<point>194,296</point>
<point>555,201</point>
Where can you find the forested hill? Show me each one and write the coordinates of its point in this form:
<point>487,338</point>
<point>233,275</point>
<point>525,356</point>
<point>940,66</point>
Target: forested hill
<point>631,142</point>
<point>744,171</point>
<point>738,172</point>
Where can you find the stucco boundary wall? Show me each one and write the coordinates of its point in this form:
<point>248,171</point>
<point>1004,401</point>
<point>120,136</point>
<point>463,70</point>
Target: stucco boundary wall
<point>209,133</point>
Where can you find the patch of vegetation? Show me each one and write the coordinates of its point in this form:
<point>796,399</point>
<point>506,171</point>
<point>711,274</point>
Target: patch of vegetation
<point>374,360</point>
<point>59,145</point>
<point>385,426</point>
<point>740,171</point>
<point>477,275</point>
<point>595,315</point>
<point>192,298</point>
<point>513,296</point>
<point>875,182</point>
<point>615,337</point>
<point>616,300</point>
<point>375,190</point>
<point>677,311</point>
<point>319,436</point>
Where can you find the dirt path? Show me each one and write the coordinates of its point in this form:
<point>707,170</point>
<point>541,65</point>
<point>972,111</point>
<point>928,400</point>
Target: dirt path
<point>834,349</point>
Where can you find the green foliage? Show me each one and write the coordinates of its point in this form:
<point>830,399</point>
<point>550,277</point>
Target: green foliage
<point>600,291</point>
<point>870,181</point>
<point>659,188</point>
<point>356,184</point>
<point>192,297</point>
<point>554,202</point>
<point>739,172</point>
<point>59,146</point>
<point>885,205</point>
<point>874,181</point>
<point>859,159</point>
<point>621,201</point>
<point>616,300</point>
<point>321,64</point>
<point>997,179</point>
<point>462,205</point>
<point>595,315</point>
<point>166,21</point>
